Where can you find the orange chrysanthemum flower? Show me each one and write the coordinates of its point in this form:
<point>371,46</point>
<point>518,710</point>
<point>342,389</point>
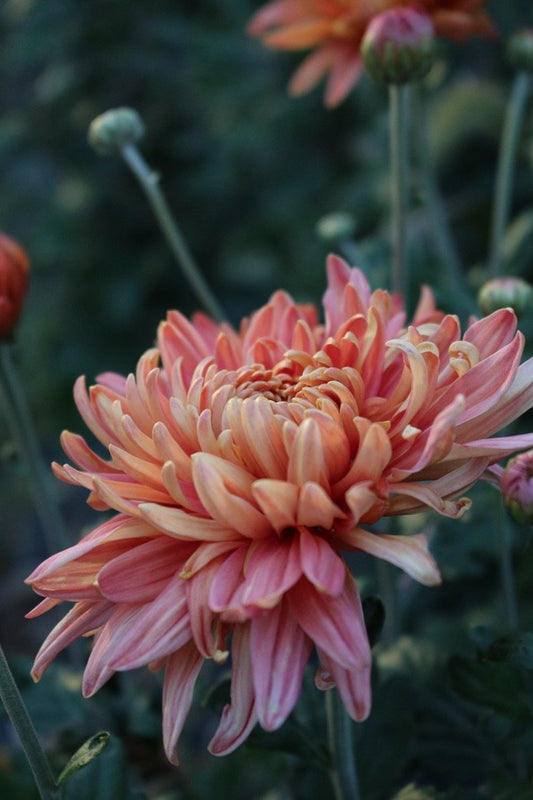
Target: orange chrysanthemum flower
<point>243,463</point>
<point>335,29</point>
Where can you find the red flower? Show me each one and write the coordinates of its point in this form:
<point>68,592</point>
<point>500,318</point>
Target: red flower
<point>334,29</point>
<point>14,279</point>
<point>243,463</point>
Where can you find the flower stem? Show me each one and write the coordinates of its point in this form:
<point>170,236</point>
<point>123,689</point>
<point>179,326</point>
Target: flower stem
<point>506,162</point>
<point>439,216</point>
<point>20,422</point>
<point>343,769</point>
<point>23,725</point>
<point>399,155</point>
<point>149,182</point>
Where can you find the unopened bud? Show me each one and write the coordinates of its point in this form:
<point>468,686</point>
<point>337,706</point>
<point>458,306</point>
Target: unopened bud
<point>517,487</point>
<point>512,293</point>
<point>520,50</point>
<point>398,46</point>
<point>117,127</point>
<point>14,278</point>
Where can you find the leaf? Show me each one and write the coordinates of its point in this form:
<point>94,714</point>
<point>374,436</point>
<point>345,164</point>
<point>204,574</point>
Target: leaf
<point>89,750</point>
<point>492,684</point>
<point>104,778</point>
<point>516,650</point>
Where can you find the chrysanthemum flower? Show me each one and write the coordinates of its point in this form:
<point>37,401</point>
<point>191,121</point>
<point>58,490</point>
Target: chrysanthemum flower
<point>242,464</point>
<point>334,29</point>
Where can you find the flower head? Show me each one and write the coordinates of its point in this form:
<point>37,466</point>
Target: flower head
<point>508,291</point>
<point>243,463</point>
<point>517,487</point>
<point>398,46</point>
<point>334,30</point>
<point>14,279</point>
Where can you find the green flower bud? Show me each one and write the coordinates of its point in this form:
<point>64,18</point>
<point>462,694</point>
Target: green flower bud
<point>512,293</point>
<point>115,128</point>
<point>398,46</point>
<point>520,50</point>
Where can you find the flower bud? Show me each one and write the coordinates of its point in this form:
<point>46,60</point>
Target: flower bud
<point>520,50</point>
<point>517,487</point>
<point>14,278</point>
<point>512,293</point>
<point>115,128</point>
<point>398,46</point>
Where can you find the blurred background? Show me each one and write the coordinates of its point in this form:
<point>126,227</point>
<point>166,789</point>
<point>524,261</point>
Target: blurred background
<point>249,174</point>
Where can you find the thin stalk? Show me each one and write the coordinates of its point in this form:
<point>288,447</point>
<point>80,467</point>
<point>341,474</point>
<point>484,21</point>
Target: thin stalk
<point>439,216</point>
<point>340,739</point>
<point>23,725</point>
<point>399,155</point>
<point>506,162</point>
<point>149,182</point>
<point>20,422</point>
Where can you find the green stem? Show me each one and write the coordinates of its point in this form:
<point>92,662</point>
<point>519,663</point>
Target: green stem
<point>23,725</point>
<point>504,176</point>
<point>20,422</point>
<point>343,769</point>
<point>399,155</point>
<point>439,217</point>
<point>149,182</point>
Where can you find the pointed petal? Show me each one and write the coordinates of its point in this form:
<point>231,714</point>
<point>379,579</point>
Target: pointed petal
<point>238,718</point>
<point>410,553</point>
<point>335,624</point>
<point>181,671</point>
<point>279,650</point>
<point>320,564</point>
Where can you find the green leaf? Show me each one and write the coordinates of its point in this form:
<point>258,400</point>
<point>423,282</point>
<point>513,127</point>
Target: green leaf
<point>516,650</point>
<point>89,750</point>
<point>493,684</point>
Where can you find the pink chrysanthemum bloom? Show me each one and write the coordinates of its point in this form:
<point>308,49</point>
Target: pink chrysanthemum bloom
<point>243,463</point>
<point>334,30</point>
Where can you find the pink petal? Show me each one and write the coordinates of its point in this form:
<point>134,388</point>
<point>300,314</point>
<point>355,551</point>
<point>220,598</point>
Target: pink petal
<point>80,620</point>
<point>410,553</point>
<point>279,650</point>
<point>181,671</point>
<point>272,567</point>
<point>320,564</point>
<point>139,574</point>
<point>353,686</point>
<point>239,718</point>
<point>335,624</point>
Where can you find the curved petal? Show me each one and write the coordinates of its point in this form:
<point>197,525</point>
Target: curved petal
<point>279,651</point>
<point>238,718</point>
<point>181,671</point>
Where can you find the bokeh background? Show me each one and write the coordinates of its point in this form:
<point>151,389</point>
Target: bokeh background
<point>249,173</point>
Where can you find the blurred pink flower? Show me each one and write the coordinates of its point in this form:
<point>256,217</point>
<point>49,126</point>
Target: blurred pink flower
<point>243,463</point>
<point>517,487</point>
<point>334,30</point>
<point>14,280</point>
